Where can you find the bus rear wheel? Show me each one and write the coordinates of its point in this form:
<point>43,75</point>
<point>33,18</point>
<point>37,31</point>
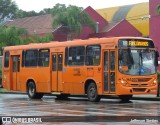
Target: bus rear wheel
<point>31,91</point>
<point>92,93</point>
<point>125,98</point>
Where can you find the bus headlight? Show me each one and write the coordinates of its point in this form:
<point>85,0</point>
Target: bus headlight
<point>124,82</point>
<point>154,83</point>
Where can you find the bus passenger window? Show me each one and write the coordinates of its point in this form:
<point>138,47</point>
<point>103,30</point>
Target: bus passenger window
<point>76,55</point>
<point>6,62</point>
<point>43,60</point>
<point>31,58</point>
<point>93,54</point>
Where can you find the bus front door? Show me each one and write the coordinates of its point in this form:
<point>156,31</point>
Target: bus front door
<point>109,71</point>
<point>57,66</point>
<point>15,72</point>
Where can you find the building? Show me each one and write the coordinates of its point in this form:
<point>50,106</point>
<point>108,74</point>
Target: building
<point>37,25</point>
<point>127,20</point>
<point>131,20</point>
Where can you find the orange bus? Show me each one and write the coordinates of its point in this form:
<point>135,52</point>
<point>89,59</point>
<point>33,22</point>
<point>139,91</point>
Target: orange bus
<point>122,66</point>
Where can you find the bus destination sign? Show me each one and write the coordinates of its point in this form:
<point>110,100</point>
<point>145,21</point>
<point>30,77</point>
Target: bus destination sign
<point>136,43</point>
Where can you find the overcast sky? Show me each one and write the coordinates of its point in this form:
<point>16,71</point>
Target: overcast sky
<point>38,5</point>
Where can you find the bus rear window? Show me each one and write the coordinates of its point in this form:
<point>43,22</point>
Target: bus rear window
<point>6,59</point>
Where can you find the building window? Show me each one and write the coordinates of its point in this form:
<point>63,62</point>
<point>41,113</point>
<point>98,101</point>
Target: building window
<point>76,55</point>
<point>43,60</point>
<point>31,58</point>
<point>6,60</point>
<point>93,54</point>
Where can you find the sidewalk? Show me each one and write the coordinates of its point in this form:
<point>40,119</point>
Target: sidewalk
<point>135,97</point>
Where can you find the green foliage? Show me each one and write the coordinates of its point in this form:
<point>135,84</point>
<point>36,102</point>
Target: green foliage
<point>7,9</point>
<point>10,36</point>
<point>71,18</point>
<point>38,39</point>
<point>21,13</point>
<point>42,39</point>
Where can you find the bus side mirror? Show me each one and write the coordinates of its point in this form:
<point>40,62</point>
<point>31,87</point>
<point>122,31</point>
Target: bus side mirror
<point>156,58</point>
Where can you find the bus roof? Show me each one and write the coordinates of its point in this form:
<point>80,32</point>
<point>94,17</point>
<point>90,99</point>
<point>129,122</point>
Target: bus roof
<point>77,42</point>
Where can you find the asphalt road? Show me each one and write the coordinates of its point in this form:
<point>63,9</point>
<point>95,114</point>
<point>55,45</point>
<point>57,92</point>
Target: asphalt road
<point>48,110</point>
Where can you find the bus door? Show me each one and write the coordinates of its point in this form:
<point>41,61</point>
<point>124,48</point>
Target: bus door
<point>109,71</point>
<point>57,66</point>
<point>15,72</point>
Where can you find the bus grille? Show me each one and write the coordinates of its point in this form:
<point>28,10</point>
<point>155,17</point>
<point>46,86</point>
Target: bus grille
<point>139,89</point>
<point>141,79</point>
<point>138,85</point>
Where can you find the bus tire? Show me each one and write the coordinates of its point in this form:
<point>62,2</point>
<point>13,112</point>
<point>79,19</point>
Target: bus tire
<point>92,93</point>
<point>125,98</point>
<point>31,91</point>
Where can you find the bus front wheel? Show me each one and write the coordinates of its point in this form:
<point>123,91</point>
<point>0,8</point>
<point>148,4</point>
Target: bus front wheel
<point>32,91</point>
<point>92,93</point>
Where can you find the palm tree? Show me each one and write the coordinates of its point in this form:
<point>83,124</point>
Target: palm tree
<point>71,19</point>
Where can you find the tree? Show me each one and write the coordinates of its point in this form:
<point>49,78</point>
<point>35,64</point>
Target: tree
<point>10,36</point>
<point>71,18</point>
<point>45,11</point>
<point>7,9</point>
<point>22,14</point>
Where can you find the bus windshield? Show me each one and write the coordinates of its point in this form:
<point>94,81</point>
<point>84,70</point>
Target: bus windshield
<point>137,61</point>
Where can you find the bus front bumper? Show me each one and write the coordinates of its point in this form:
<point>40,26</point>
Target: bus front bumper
<point>124,90</point>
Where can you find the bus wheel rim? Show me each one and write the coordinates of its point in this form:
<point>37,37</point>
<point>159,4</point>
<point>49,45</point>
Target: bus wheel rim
<point>31,90</point>
<point>92,92</point>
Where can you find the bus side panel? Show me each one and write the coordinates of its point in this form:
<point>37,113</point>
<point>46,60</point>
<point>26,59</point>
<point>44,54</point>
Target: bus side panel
<point>6,81</point>
<point>41,77</point>
<point>75,78</point>
<point>6,76</point>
